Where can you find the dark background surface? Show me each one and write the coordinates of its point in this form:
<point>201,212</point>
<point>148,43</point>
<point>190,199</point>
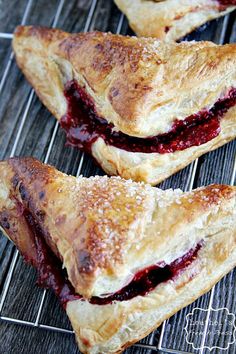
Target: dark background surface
<point>33,138</point>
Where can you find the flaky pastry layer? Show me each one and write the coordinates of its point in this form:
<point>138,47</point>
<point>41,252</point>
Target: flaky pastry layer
<point>104,230</point>
<point>140,85</point>
<point>153,168</point>
<point>170,20</point>
<point>112,328</point>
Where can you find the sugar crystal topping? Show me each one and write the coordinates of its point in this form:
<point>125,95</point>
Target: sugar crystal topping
<point>114,213</point>
<point>113,209</point>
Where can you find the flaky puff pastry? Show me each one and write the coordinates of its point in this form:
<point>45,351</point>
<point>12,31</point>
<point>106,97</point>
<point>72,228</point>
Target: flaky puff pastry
<point>171,20</point>
<point>142,86</point>
<point>105,230</point>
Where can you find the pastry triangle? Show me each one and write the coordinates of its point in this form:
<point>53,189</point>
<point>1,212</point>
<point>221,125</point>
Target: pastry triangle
<point>172,19</point>
<point>142,108</point>
<point>121,256</point>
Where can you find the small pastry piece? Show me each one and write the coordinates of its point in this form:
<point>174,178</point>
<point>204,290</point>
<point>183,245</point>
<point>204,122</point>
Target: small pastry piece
<point>144,109</point>
<point>132,255</point>
<point>171,20</point>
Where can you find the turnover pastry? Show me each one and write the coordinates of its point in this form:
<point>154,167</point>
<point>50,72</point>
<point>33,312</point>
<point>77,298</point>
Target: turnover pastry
<point>121,256</point>
<point>144,109</point>
<point>172,19</point>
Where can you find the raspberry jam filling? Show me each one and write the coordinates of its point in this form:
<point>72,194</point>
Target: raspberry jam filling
<point>51,275</point>
<point>227,2</point>
<point>83,126</point>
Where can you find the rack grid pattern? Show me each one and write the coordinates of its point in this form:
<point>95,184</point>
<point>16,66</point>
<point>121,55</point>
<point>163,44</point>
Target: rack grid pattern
<point>188,186</point>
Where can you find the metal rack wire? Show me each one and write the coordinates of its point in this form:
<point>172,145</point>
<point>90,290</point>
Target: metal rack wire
<point>189,186</point>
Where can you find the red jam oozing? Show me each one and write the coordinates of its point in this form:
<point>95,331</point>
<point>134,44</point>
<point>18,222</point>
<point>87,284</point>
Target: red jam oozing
<point>52,276</point>
<point>227,2</point>
<point>83,126</point>
<point>147,279</point>
<point>224,4</point>
<point>49,267</point>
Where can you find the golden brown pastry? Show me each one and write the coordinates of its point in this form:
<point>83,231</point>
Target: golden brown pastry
<point>172,19</point>
<point>144,109</point>
<point>121,256</point>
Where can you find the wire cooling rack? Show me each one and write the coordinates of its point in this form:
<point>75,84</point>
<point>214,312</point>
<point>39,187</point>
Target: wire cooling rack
<point>167,339</point>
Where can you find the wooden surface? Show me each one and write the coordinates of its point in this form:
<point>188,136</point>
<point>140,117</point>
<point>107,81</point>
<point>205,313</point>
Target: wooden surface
<point>24,297</point>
